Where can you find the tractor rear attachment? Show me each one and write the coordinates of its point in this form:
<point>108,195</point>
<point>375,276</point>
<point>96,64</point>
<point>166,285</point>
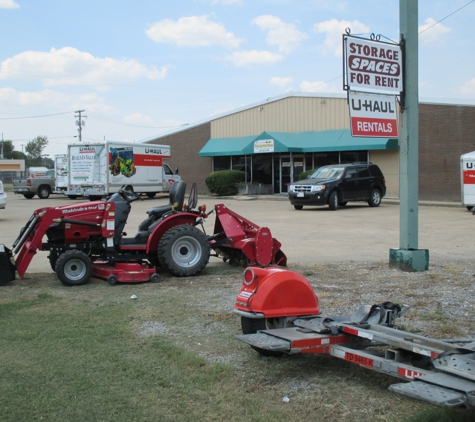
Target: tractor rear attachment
<point>279,315</point>
<point>241,242</point>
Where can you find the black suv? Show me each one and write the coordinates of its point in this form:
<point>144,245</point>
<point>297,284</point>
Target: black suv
<point>337,184</point>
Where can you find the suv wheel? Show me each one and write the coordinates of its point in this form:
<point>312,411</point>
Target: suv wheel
<point>333,201</point>
<point>298,207</point>
<point>374,198</point>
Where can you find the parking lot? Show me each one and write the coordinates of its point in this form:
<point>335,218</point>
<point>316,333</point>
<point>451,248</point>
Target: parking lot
<point>314,234</point>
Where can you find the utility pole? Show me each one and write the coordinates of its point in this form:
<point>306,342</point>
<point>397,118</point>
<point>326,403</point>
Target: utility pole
<point>80,123</point>
<point>1,155</point>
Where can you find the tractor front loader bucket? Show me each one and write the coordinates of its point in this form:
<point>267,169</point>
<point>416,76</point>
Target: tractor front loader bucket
<point>241,242</point>
<point>7,267</point>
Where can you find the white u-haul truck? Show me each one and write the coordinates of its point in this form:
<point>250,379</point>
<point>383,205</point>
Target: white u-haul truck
<point>100,169</point>
<point>467,179</point>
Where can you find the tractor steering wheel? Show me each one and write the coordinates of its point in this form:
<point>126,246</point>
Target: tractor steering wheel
<point>129,196</point>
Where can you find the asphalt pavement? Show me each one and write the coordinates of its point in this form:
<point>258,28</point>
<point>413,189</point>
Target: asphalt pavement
<point>356,232</point>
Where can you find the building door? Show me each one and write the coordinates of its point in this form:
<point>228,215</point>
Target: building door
<point>285,173</point>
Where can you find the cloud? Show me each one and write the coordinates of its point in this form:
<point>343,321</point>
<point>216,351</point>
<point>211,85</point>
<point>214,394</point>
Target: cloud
<point>317,86</point>
<point>138,119</point>
<point>69,66</point>
<point>284,35</point>
<point>434,33</point>
<point>11,99</point>
<point>334,30</point>
<point>281,82</point>
<point>246,58</point>
<point>9,4</point>
<point>468,88</point>
<point>193,31</point>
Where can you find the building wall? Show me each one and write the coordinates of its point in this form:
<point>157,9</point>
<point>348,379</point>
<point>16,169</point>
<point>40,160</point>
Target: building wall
<point>293,114</point>
<point>388,162</point>
<point>445,133</point>
<point>185,146</point>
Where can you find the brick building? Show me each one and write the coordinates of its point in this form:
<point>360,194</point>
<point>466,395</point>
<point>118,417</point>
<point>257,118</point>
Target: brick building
<point>276,139</point>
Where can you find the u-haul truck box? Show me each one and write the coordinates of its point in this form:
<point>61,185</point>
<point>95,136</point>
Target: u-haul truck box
<point>467,178</point>
<point>100,169</point>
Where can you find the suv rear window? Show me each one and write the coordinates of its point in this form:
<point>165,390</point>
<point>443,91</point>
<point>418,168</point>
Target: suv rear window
<point>375,171</point>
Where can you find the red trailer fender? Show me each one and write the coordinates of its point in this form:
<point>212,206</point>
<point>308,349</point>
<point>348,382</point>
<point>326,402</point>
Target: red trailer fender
<point>275,292</point>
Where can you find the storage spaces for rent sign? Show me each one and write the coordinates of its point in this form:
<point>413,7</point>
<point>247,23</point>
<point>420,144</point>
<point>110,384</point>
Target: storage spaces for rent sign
<point>372,66</point>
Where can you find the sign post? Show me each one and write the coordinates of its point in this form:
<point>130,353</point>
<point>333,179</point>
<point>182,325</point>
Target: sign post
<point>408,257</point>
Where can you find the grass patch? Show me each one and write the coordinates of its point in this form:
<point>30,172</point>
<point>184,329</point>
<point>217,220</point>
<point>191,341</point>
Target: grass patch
<point>70,361</point>
<point>219,270</point>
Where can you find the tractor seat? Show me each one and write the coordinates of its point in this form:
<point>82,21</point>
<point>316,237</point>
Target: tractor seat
<point>176,196</point>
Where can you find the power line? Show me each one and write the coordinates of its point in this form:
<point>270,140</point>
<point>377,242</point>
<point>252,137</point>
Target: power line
<point>446,17</point>
<point>34,117</point>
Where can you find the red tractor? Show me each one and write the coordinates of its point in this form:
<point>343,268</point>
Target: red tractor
<point>87,240</point>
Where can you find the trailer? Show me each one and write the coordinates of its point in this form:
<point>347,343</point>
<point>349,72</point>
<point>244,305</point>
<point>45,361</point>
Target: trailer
<point>101,169</point>
<point>280,315</point>
<point>61,173</point>
<point>467,179</point>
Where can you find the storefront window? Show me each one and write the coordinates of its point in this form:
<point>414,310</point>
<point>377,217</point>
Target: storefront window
<point>353,156</point>
<point>221,163</point>
<point>262,169</point>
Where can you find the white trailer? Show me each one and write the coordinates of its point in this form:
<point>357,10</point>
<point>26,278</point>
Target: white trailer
<point>61,173</point>
<point>100,169</point>
<point>467,179</point>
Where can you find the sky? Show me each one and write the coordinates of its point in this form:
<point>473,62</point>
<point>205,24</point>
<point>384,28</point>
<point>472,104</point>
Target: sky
<point>143,68</point>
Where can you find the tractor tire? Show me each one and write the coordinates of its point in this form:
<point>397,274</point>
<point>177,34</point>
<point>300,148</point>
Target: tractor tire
<point>43,192</point>
<point>183,250</point>
<point>73,268</point>
<point>29,195</point>
<point>252,326</point>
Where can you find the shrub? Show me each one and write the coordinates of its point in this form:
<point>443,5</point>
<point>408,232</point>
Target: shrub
<point>223,182</point>
<point>306,174</point>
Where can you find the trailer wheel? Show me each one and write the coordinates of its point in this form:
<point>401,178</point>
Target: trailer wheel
<point>43,192</point>
<point>73,268</point>
<point>183,250</point>
<point>72,196</point>
<point>29,195</point>
<point>151,194</point>
<point>252,326</point>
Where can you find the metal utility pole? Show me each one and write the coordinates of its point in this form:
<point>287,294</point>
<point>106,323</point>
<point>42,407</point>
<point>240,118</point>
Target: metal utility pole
<point>408,257</point>
<point>80,123</point>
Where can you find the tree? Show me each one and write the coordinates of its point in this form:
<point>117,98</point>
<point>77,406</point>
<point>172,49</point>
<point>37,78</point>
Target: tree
<point>7,148</point>
<point>34,150</point>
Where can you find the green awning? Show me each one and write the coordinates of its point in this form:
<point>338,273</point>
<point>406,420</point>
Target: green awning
<point>297,142</point>
<point>329,140</point>
<point>226,146</point>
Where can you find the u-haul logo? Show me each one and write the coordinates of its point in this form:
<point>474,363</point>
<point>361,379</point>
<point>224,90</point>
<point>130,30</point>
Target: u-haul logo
<point>153,151</point>
<point>409,373</point>
<point>87,150</point>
